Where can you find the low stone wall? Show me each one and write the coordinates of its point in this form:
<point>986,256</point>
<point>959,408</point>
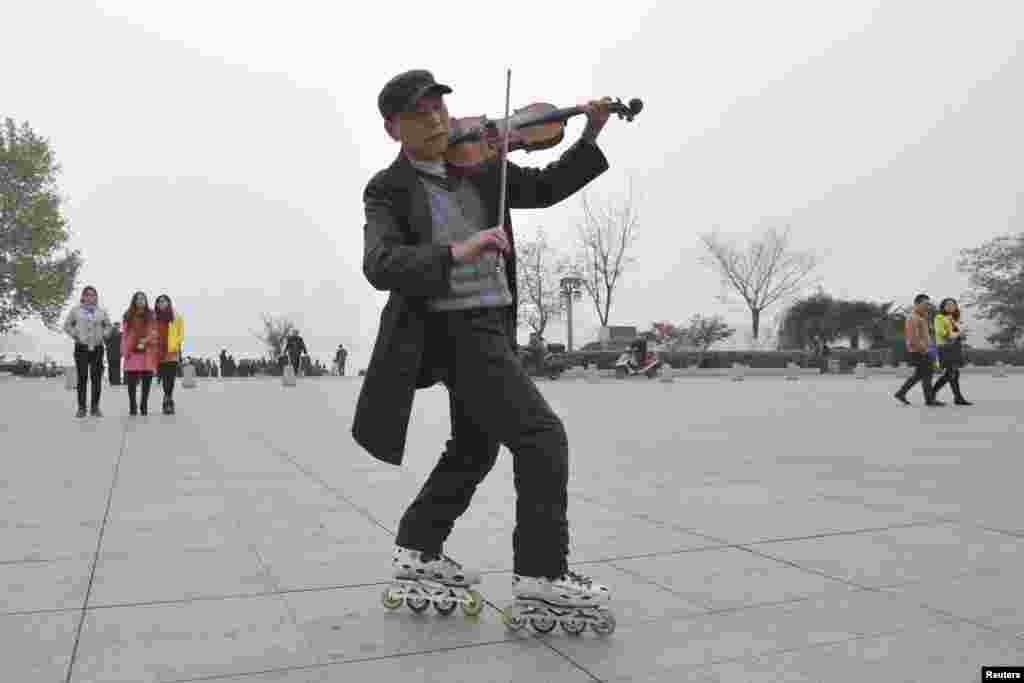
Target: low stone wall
<point>738,372</point>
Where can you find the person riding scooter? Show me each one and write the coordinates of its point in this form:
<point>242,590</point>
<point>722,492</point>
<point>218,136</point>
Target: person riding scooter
<point>638,360</point>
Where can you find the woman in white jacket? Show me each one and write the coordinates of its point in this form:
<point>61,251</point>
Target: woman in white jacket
<point>89,325</point>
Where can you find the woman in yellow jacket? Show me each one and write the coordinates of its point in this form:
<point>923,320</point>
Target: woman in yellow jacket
<point>950,346</point>
<point>171,328</point>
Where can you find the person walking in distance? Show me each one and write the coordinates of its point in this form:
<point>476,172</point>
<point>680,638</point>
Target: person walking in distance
<point>171,333</point>
<point>89,325</point>
<point>294,348</point>
<point>339,358</point>
<point>434,240</point>
<point>140,350</point>
<point>915,332</point>
<point>949,341</point>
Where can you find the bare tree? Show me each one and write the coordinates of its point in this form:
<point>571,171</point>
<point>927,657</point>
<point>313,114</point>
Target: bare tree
<point>605,235</point>
<point>274,334</point>
<point>539,268</point>
<point>765,273</point>
<point>706,331</point>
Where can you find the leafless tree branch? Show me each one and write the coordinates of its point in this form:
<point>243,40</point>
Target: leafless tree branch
<point>763,274</point>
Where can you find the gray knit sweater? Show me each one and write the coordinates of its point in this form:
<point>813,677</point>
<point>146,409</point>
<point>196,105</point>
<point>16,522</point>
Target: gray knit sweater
<point>457,214</point>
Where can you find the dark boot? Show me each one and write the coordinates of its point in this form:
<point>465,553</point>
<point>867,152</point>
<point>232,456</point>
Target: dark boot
<point>958,395</point>
<point>81,412</point>
<point>167,410</point>
<point>147,383</point>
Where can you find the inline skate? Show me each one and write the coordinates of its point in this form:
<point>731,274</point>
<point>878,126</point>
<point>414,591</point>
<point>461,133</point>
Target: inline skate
<point>573,601</point>
<point>420,580</point>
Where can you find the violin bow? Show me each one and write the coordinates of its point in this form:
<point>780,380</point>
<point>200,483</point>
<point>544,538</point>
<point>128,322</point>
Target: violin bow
<point>505,151</point>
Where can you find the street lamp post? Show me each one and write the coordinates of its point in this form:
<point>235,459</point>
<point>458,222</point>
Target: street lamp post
<point>570,290</point>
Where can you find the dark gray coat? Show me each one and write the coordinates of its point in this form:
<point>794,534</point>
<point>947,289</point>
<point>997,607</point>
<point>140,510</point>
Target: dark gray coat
<point>400,257</point>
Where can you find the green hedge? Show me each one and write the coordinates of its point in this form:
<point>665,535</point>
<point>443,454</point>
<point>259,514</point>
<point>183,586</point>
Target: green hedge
<point>848,359</point>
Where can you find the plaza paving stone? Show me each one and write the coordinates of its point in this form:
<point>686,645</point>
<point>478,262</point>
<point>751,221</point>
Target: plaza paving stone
<point>762,530</point>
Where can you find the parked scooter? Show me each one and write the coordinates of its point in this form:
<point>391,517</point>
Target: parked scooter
<point>638,361</point>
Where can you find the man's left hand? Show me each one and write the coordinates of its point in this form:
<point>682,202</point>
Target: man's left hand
<point>597,115</point>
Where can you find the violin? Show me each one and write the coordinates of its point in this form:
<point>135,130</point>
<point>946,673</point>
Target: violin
<point>534,127</point>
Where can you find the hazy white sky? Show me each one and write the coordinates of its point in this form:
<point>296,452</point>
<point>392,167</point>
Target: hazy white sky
<point>217,151</point>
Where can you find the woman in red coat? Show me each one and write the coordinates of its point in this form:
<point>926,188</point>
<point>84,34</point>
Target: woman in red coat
<point>140,350</point>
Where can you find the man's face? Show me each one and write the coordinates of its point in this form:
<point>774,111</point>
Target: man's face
<point>923,307</point>
<point>423,131</point>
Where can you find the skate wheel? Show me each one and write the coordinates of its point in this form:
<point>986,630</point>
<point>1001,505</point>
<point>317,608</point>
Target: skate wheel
<point>445,606</point>
<point>391,600</point>
<point>574,627</point>
<point>475,604</point>
<point>512,621</point>
<point>418,605</point>
<point>605,626</point>
<point>543,624</point>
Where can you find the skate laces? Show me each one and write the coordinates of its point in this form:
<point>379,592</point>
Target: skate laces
<point>579,578</point>
<point>451,562</point>
<point>441,557</point>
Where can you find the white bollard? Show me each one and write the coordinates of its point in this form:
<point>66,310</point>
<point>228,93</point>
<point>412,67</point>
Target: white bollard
<point>288,376</point>
<point>792,371</point>
<point>668,374</point>
<point>736,373</point>
<point>70,379</point>
<point>861,371</point>
<point>999,370</point>
<point>592,374</point>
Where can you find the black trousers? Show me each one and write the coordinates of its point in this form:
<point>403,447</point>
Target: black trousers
<point>89,363</point>
<point>168,371</point>
<point>923,370</point>
<point>132,379</point>
<point>952,377</point>
<point>294,357</point>
<point>493,402</point>
<point>114,367</point>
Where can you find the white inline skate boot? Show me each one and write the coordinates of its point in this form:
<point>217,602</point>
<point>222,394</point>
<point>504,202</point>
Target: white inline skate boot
<point>572,600</point>
<point>421,580</point>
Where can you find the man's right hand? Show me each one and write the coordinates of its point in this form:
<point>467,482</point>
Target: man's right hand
<point>492,239</point>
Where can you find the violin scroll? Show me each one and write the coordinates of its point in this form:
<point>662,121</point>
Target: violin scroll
<point>625,111</point>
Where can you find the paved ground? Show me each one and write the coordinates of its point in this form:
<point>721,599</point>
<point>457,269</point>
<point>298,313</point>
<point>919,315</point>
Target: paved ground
<point>756,531</point>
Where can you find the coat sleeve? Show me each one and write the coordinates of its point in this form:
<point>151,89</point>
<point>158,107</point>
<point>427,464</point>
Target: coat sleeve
<point>538,188</point>
<point>179,332</point>
<point>389,263</point>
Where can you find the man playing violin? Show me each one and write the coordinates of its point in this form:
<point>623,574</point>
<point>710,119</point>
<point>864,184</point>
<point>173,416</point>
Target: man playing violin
<point>434,241</point>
